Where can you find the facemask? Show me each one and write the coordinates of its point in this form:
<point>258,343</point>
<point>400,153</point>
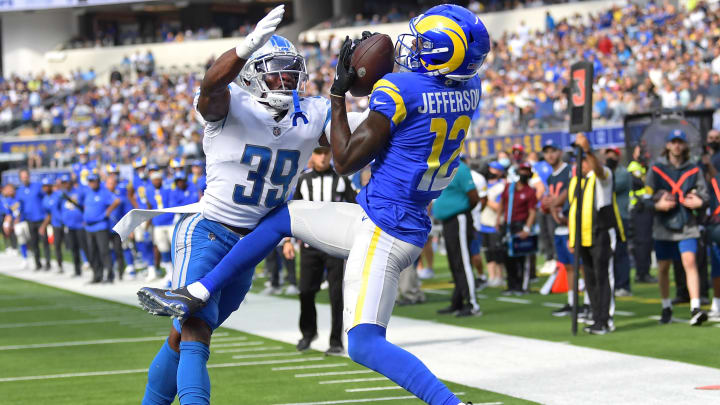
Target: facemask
<point>611,163</point>
<point>524,178</point>
<point>714,145</point>
<point>505,162</point>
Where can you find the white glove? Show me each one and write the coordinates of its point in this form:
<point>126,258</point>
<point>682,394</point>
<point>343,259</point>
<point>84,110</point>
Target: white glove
<point>264,29</point>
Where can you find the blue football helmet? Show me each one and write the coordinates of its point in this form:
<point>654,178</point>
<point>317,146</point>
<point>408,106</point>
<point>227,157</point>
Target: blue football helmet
<point>276,56</point>
<point>448,41</point>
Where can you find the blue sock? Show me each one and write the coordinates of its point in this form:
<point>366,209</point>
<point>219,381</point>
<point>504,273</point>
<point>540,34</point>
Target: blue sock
<point>23,251</point>
<point>165,257</point>
<point>128,257</point>
<point>367,346</point>
<point>162,377</point>
<point>250,250</point>
<point>83,255</point>
<point>193,381</point>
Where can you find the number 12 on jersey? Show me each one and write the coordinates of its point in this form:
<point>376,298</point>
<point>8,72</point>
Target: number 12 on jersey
<point>281,175</point>
<point>436,176</point>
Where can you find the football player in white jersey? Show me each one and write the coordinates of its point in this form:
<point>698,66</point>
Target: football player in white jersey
<point>258,133</point>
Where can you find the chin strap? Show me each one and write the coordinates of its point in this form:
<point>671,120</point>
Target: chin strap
<point>298,111</point>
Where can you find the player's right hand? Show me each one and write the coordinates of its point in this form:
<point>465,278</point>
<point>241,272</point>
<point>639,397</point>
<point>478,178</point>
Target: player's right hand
<point>344,73</point>
<point>264,29</point>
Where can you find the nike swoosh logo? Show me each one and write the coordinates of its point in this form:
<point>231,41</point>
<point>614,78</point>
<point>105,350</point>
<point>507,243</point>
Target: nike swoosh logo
<point>380,102</point>
<point>172,294</point>
<point>363,219</point>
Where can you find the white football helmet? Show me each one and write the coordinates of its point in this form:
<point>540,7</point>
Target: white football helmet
<point>276,56</point>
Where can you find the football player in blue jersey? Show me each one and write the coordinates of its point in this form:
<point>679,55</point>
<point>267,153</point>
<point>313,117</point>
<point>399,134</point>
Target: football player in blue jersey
<point>32,195</point>
<point>53,204</point>
<point>197,177</point>
<point>413,135</point>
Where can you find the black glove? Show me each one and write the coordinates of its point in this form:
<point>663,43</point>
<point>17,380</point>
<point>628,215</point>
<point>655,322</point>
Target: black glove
<point>344,73</point>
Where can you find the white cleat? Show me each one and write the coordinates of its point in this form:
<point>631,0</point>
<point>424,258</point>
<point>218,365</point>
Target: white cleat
<point>292,290</point>
<point>271,291</point>
<point>130,272</point>
<point>426,273</point>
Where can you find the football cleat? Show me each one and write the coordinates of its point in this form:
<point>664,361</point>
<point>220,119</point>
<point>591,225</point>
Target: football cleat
<point>177,304</point>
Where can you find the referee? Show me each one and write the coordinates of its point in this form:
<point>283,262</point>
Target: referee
<point>321,183</point>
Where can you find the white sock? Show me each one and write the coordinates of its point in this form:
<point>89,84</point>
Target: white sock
<point>199,291</point>
<point>666,303</point>
<point>694,303</point>
<point>586,298</point>
<point>571,298</point>
<point>716,304</point>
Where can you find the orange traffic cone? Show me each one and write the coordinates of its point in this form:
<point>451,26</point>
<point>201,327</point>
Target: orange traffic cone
<point>561,282</point>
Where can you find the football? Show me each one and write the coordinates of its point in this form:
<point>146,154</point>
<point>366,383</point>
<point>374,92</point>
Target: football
<point>372,59</point>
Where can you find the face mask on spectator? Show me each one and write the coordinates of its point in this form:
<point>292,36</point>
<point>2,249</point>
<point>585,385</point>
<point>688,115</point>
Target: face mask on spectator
<point>714,146</point>
<point>611,163</point>
<point>524,178</point>
<point>505,162</point>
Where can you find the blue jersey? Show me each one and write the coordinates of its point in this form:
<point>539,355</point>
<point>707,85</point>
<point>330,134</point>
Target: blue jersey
<point>140,186</point>
<point>82,170</point>
<point>14,207</point>
<point>199,182</point>
<point>121,194</point>
<point>95,203</point>
<point>32,197</point>
<point>159,198</point>
<point>53,206</point>
<point>428,124</point>
<point>122,191</point>
<point>72,201</point>
<point>184,197</point>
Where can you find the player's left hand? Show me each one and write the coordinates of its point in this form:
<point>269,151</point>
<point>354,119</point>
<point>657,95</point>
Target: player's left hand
<point>344,73</point>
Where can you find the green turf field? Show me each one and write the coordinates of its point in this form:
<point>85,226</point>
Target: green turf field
<point>57,347</point>
<point>529,316</point>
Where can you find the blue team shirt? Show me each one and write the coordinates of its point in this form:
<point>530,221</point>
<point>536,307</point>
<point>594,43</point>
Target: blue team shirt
<point>82,170</point>
<point>121,194</point>
<point>199,182</point>
<point>428,124</point>
<point>72,216</point>
<point>51,205</point>
<point>158,199</point>
<point>140,186</point>
<point>454,199</point>
<point>184,197</point>
<point>32,197</point>
<point>95,204</point>
<point>14,207</point>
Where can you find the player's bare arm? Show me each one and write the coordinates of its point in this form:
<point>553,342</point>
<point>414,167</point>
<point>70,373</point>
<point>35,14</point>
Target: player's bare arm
<point>214,99</point>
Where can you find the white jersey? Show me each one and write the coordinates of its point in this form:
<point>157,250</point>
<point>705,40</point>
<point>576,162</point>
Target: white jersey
<point>253,162</point>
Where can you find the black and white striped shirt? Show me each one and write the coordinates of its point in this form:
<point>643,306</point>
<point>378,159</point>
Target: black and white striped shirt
<point>324,186</point>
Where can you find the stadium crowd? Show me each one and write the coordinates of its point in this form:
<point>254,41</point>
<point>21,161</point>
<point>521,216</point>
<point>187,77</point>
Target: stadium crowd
<point>644,58</point>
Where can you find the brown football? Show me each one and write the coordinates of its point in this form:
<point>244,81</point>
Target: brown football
<point>372,59</point>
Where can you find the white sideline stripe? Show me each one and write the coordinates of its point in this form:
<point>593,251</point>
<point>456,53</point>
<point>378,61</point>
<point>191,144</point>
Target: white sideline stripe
<point>63,322</point>
<point>250,349</point>
<point>394,387</point>
<point>350,401</point>
<point>82,343</point>
<point>144,370</point>
<point>221,337</point>
<point>673,320</point>
<point>513,300</point>
<point>554,305</point>
<point>312,366</point>
<point>624,313</point>
<point>255,356</point>
<point>222,344</point>
<point>240,350</point>
<point>32,308</point>
<point>352,380</point>
<point>329,373</point>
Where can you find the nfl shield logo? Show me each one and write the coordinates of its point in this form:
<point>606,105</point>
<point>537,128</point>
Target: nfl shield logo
<point>276,131</point>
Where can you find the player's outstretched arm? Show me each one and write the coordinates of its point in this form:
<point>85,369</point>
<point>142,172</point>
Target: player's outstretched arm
<point>214,99</point>
<point>353,150</point>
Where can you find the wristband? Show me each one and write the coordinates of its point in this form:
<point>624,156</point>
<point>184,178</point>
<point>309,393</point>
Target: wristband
<point>526,229</point>
<point>243,51</point>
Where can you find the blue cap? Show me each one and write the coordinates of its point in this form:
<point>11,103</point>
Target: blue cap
<point>550,144</point>
<point>46,181</point>
<point>93,177</point>
<point>153,166</point>
<point>180,176</point>
<point>65,178</point>
<point>198,162</point>
<point>140,162</point>
<point>111,168</point>
<point>497,166</point>
<point>677,134</point>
